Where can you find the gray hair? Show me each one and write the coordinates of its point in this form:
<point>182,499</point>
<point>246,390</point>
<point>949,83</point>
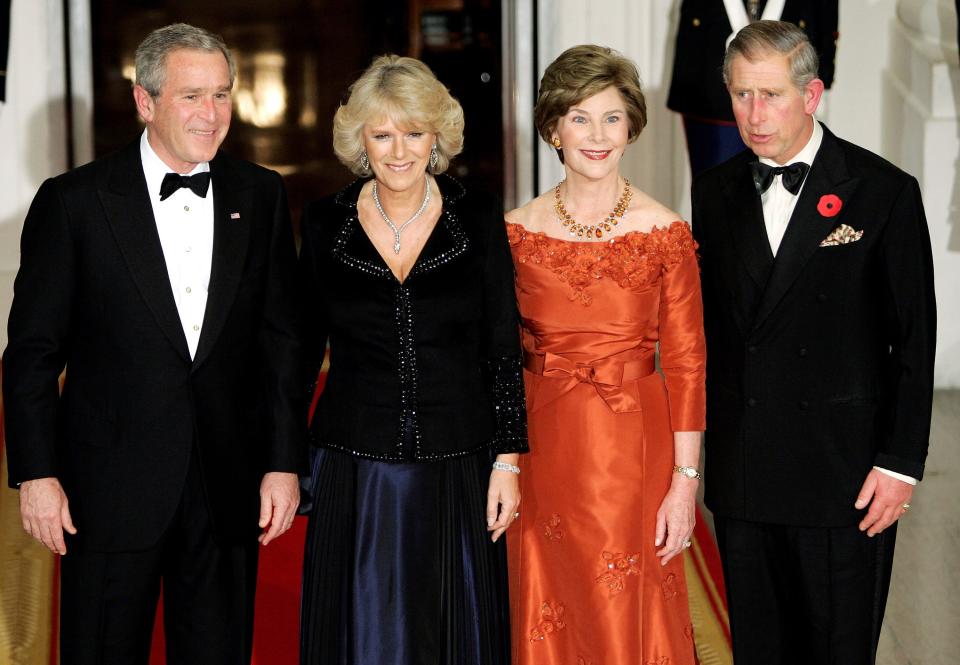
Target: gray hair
<point>775,37</point>
<point>151,57</point>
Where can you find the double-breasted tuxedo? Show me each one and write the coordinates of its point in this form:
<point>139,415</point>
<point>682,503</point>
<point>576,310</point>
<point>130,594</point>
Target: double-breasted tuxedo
<point>819,361</point>
<point>697,87</point>
<point>93,295</point>
<point>819,367</point>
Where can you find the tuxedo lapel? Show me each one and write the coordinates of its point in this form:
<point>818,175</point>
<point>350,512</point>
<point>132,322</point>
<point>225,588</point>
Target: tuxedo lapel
<point>807,227</point>
<point>232,215</point>
<point>745,213</point>
<point>127,207</point>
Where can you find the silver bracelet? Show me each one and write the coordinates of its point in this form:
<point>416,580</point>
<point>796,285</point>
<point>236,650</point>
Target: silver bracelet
<point>503,466</point>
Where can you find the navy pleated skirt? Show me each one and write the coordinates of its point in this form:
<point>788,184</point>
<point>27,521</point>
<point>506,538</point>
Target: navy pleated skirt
<point>399,567</point>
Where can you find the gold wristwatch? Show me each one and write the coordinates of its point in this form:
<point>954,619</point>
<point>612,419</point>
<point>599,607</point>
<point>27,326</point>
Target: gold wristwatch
<point>688,471</point>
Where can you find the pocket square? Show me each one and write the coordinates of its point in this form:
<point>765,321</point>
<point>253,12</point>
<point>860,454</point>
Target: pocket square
<point>842,235</point>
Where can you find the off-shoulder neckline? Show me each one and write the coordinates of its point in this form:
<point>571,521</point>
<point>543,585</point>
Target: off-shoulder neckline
<point>652,230</point>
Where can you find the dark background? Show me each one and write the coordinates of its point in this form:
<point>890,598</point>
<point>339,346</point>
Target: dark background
<point>295,61</point>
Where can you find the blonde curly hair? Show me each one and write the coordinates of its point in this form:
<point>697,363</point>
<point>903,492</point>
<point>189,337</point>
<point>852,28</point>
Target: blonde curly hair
<point>405,91</point>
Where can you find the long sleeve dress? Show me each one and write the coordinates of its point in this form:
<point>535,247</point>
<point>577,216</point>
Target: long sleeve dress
<point>586,587</point>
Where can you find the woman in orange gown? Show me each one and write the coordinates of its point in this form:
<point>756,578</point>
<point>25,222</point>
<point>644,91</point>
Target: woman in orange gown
<point>604,275</point>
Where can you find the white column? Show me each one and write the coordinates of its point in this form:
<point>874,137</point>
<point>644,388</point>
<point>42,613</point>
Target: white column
<point>644,32</point>
<point>32,126</point>
<point>921,134</point>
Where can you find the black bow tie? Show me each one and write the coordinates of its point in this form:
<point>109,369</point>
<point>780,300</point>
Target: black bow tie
<point>792,176</point>
<point>198,184</point>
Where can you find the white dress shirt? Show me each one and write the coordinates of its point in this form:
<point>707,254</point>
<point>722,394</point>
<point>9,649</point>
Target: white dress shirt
<point>185,225</point>
<point>778,205</point>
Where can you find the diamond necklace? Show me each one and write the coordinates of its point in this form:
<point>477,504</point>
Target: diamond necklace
<point>590,230</point>
<point>393,227</point>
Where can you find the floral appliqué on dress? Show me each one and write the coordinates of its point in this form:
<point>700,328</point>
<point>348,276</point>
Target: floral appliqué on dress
<point>619,566</point>
<point>551,621</point>
<point>551,528</point>
<point>634,260</point>
<point>670,587</point>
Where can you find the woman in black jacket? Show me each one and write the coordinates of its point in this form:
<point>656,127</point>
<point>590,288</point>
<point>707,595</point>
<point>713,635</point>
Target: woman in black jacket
<point>409,276</point>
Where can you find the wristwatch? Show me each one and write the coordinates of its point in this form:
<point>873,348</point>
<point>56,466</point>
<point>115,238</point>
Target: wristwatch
<point>688,471</point>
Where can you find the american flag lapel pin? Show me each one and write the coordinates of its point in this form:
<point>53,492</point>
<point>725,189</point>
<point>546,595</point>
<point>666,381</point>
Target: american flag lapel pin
<point>234,215</point>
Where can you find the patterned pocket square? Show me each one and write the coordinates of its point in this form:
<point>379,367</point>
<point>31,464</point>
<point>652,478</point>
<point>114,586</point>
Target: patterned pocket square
<point>841,235</point>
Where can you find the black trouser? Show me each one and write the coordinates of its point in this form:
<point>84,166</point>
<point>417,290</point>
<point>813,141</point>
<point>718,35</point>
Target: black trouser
<point>804,595</point>
<point>109,599</point>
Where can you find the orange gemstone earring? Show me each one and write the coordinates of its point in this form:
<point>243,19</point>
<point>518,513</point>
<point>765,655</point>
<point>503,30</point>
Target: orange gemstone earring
<point>556,142</point>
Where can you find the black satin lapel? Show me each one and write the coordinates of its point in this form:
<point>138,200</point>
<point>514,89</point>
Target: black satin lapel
<point>745,213</point>
<point>354,249</point>
<point>807,227</point>
<point>130,216</point>
<point>446,242</point>
<point>232,215</point>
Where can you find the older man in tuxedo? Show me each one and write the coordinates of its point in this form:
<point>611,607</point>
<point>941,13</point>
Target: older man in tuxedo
<point>162,278</point>
<point>820,321</point>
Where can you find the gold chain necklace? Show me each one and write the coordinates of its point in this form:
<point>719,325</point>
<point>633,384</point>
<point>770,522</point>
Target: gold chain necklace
<point>592,230</point>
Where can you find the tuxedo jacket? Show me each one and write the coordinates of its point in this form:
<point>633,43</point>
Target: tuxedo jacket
<point>819,361</point>
<point>93,295</point>
<point>424,369</point>
<point>697,87</point>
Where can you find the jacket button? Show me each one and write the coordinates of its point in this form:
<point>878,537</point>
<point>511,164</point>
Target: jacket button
<point>821,297</point>
<point>751,402</point>
<point>803,404</point>
<point>802,24</point>
<point>802,353</point>
<point>696,22</point>
<point>751,349</point>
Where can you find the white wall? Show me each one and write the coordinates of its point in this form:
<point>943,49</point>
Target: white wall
<point>32,125</point>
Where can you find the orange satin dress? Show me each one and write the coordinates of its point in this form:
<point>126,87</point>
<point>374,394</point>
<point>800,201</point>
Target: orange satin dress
<point>586,587</point>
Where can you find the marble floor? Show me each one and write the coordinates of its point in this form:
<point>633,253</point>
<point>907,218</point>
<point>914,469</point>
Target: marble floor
<point>922,625</point>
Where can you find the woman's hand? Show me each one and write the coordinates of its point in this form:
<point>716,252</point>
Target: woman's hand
<point>503,497</point>
<point>676,517</point>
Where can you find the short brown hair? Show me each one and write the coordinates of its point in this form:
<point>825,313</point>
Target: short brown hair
<point>762,38</point>
<point>581,72</point>
<point>407,92</point>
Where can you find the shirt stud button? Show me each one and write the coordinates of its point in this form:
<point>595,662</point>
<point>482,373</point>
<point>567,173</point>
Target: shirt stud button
<point>189,290</point>
<point>196,327</point>
<point>186,208</point>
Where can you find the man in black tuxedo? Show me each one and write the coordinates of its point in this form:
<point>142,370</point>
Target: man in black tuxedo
<point>162,278</point>
<point>821,322</point>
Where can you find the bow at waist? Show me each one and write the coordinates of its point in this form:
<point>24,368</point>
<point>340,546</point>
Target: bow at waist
<point>607,376</point>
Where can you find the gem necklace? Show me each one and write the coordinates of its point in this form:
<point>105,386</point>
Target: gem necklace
<point>393,227</point>
<point>592,230</point>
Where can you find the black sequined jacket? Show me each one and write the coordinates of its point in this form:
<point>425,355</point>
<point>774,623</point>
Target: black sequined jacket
<point>425,369</point>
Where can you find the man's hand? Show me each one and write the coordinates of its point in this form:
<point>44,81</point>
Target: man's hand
<point>45,514</point>
<point>279,498</point>
<point>888,498</point>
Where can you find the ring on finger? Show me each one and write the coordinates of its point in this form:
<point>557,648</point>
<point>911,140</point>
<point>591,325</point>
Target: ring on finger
<point>687,543</point>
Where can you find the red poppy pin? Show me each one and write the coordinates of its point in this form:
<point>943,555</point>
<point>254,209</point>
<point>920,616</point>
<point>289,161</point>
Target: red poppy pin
<point>829,205</point>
